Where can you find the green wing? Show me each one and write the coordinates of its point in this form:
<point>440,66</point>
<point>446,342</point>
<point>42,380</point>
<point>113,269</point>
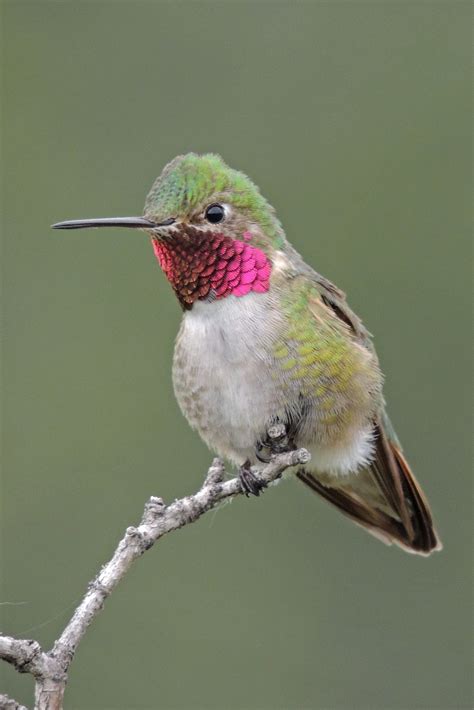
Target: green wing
<point>385,498</point>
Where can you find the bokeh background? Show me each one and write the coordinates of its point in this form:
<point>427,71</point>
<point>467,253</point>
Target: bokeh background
<point>355,119</point>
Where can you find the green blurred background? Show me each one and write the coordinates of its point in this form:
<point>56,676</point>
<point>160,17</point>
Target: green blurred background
<point>355,120</point>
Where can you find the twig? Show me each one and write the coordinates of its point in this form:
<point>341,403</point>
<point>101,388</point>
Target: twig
<point>7,703</point>
<point>50,668</point>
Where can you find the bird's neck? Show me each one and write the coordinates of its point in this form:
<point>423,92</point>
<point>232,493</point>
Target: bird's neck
<point>205,265</point>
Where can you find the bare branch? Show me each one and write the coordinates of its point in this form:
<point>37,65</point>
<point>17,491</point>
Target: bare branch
<point>27,657</point>
<point>50,668</point>
<point>7,703</point>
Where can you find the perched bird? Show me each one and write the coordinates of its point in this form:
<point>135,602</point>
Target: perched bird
<point>264,339</point>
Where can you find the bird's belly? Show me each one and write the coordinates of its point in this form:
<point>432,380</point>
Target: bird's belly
<point>226,405</point>
<point>232,407</point>
<point>222,380</point>
<point>230,388</point>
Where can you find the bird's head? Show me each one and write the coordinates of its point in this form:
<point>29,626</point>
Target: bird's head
<point>212,231</point>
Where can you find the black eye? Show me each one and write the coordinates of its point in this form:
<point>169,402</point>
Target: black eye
<point>215,213</point>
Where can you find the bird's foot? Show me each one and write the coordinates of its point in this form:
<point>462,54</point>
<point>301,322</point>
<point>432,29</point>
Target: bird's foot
<point>250,483</point>
<point>277,441</point>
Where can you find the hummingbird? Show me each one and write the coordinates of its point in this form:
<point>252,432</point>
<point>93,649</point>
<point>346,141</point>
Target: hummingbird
<point>265,339</point>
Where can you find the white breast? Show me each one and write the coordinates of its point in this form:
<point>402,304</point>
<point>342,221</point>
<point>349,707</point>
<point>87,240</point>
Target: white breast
<point>221,371</point>
<point>229,388</point>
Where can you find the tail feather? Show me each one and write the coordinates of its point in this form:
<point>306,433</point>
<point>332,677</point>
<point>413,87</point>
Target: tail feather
<point>425,538</point>
<point>394,508</point>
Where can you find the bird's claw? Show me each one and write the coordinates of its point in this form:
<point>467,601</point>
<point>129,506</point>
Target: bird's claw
<point>258,452</point>
<point>277,441</point>
<point>251,484</point>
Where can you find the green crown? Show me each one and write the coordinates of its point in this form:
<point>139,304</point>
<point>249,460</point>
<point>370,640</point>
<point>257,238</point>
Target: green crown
<point>189,181</point>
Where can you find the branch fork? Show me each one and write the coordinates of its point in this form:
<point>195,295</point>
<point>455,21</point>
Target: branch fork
<point>50,668</point>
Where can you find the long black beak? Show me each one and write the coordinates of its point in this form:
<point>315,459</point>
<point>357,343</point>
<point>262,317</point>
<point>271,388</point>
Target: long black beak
<point>133,222</point>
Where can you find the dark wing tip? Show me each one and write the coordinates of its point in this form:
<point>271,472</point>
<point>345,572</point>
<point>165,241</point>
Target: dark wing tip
<point>411,526</point>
